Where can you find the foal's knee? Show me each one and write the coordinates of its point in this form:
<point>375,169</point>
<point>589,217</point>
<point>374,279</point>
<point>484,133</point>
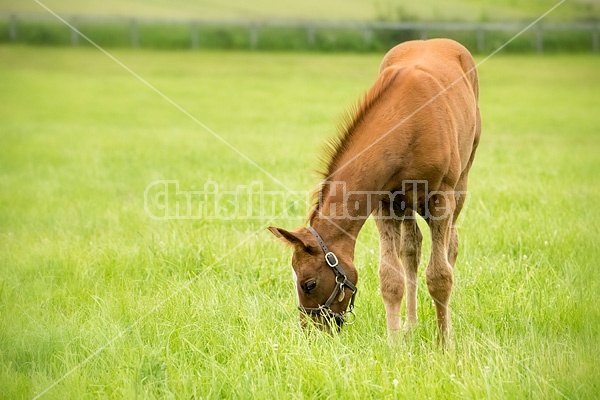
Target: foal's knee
<point>439,283</point>
<point>411,238</point>
<point>391,282</point>
<point>411,246</point>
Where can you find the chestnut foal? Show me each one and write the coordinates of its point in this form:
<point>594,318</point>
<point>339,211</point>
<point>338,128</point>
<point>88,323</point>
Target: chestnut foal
<point>406,150</point>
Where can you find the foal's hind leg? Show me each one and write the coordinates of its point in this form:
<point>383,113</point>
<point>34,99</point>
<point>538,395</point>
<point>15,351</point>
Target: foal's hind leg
<point>409,251</point>
<point>439,270</point>
<point>460,195</point>
<point>391,275</point>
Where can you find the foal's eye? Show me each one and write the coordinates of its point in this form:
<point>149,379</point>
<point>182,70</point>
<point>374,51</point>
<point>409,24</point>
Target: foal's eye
<point>308,286</point>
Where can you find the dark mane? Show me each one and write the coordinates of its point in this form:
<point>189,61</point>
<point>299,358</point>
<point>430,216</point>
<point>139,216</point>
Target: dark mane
<point>339,144</point>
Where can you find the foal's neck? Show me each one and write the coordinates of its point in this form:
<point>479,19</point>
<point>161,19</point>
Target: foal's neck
<point>355,181</point>
<point>340,235</point>
<point>341,214</point>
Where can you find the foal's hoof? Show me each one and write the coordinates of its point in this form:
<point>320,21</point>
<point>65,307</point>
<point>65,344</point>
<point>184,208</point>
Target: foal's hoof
<point>394,336</point>
<point>445,343</point>
<point>409,327</point>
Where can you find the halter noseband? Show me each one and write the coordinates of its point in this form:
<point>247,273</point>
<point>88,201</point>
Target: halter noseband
<point>341,281</point>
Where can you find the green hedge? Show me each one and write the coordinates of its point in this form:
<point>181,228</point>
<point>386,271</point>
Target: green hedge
<point>126,33</point>
<point>106,35</point>
<point>42,33</point>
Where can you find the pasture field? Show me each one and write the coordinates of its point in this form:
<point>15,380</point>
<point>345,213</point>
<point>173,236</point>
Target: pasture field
<point>357,10</point>
<point>98,300</point>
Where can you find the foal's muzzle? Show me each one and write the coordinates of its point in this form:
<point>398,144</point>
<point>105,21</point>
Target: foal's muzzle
<point>326,315</point>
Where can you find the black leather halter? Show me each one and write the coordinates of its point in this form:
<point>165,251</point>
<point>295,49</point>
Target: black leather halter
<point>341,282</point>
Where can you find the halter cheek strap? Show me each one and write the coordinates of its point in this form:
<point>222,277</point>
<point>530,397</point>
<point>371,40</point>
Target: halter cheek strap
<point>341,281</point>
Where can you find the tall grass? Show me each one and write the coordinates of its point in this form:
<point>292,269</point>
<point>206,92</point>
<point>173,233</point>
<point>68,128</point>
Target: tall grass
<point>96,293</point>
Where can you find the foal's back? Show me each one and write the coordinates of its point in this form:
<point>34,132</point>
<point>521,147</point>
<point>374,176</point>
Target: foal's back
<point>436,91</point>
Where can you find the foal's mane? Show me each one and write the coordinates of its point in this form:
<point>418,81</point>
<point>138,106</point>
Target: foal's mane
<point>339,144</point>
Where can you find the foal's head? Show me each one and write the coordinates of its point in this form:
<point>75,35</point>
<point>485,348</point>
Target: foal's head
<point>324,290</point>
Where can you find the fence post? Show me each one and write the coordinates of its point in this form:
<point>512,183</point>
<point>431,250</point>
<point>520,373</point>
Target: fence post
<point>194,35</point>
<point>12,28</point>
<point>368,36</point>
<point>595,44</point>
<point>539,39</point>
<point>480,40</point>
<point>133,30</point>
<point>253,36</point>
<point>74,34</point>
<point>310,32</point>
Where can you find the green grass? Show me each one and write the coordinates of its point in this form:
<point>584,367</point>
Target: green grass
<point>136,307</point>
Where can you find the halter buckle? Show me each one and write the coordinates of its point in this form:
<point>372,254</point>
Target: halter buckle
<point>331,259</point>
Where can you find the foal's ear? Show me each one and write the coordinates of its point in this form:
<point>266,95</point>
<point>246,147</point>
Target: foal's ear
<point>297,238</point>
<point>291,238</point>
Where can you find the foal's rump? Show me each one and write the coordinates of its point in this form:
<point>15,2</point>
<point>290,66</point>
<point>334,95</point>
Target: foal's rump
<point>445,59</point>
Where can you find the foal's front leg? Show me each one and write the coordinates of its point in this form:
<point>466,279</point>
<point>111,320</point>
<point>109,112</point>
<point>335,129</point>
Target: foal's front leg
<point>439,271</point>
<point>391,274</point>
